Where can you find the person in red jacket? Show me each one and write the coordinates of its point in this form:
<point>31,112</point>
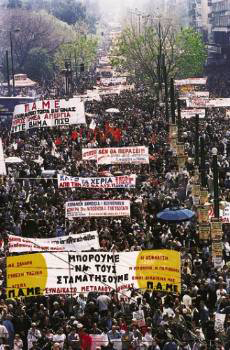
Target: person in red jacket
<point>85,340</point>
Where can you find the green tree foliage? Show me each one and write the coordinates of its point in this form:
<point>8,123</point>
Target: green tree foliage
<point>43,70</point>
<point>82,49</point>
<point>191,53</point>
<point>37,30</point>
<point>69,11</point>
<point>142,54</point>
<point>12,4</point>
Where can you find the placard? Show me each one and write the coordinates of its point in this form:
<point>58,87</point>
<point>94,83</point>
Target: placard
<point>216,230</point>
<point>123,155</point>
<point>71,273</point>
<point>202,215</point>
<point>48,113</point>
<point>74,242</point>
<point>125,181</point>
<point>204,231</point>
<point>97,208</point>
<point>203,197</point>
<point>190,81</point>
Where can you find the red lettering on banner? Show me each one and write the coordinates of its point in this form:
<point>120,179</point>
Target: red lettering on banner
<point>56,104</point>
<point>33,106</point>
<point>45,104</point>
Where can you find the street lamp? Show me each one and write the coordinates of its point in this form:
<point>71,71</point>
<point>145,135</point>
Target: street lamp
<point>215,181</point>
<point>11,54</point>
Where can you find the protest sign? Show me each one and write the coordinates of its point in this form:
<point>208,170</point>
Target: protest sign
<point>117,155</point>
<point>48,113</point>
<point>113,81</point>
<point>216,230</point>
<point>126,181</point>
<point>203,196</point>
<point>97,208</point>
<point>190,81</point>
<point>217,248</point>
<point>201,102</point>
<point>122,155</point>
<point>89,153</point>
<point>189,113</point>
<point>204,231</point>
<point>74,242</point>
<point>2,160</point>
<point>202,214</point>
<point>225,213</point>
<point>67,273</point>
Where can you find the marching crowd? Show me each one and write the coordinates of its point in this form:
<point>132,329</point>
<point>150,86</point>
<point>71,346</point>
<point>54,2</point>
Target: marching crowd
<point>32,205</point>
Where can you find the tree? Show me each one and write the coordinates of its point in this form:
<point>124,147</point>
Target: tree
<point>69,11</point>
<point>37,30</point>
<point>12,4</point>
<point>144,51</point>
<point>43,70</point>
<point>191,53</point>
<point>82,49</point>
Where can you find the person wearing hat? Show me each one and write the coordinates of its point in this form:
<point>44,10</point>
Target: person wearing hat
<point>18,343</point>
<point>74,339</point>
<point>33,335</point>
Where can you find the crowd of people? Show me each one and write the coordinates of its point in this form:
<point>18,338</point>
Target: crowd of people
<point>32,205</point>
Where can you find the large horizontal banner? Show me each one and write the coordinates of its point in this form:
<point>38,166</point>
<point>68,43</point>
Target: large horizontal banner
<point>71,273</point>
<point>126,181</point>
<point>190,81</point>
<point>200,102</point>
<point>89,153</point>
<point>97,208</point>
<point>113,81</point>
<point>189,113</point>
<point>75,242</point>
<point>48,113</point>
<point>117,155</point>
<point>122,155</point>
<point>192,94</point>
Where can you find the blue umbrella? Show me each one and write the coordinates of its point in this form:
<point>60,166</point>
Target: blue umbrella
<point>175,215</point>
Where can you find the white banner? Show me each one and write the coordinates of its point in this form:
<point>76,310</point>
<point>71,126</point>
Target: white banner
<point>2,160</point>
<point>126,181</point>
<point>75,242</point>
<point>71,273</point>
<point>89,153</point>
<point>192,94</point>
<point>48,113</point>
<point>117,155</point>
<point>190,81</point>
<point>208,103</point>
<point>189,113</point>
<point>100,208</point>
<point>225,214</point>
<point>113,81</point>
<point>123,155</point>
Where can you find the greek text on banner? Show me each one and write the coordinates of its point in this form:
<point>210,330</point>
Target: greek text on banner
<point>66,273</point>
<point>126,181</point>
<point>48,113</point>
<point>117,155</point>
<point>75,242</point>
<point>97,208</point>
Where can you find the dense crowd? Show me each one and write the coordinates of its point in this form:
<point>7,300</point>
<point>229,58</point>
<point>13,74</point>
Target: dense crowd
<point>32,205</point>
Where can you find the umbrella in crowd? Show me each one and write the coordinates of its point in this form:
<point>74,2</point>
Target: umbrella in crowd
<point>175,215</point>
